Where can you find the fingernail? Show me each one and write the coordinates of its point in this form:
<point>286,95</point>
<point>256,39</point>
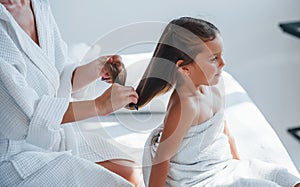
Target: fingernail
<point>134,105</point>
<point>109,59</point>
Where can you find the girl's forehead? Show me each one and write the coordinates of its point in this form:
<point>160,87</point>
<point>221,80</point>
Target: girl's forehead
<point>214,46</point>
<point>211,48</point>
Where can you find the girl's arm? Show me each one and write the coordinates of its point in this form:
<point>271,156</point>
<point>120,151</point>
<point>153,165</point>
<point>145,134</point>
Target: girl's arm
<point>159,174</point>
<point>231,140</point>
<point>178,120</point>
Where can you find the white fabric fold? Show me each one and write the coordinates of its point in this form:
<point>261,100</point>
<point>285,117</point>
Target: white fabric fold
<point>204,159</point>
<point>203,152</point>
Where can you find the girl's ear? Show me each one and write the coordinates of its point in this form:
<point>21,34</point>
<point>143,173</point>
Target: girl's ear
<point>183,68</point>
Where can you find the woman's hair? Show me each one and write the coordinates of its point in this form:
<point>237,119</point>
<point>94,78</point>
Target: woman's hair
<point>182,39</point>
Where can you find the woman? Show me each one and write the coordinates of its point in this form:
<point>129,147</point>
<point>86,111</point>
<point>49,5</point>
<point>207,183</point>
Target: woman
<point>36,82</point>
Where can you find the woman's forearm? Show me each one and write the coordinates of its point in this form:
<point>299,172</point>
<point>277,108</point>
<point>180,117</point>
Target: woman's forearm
<point>85,74</point>
<point>80,110</point>
<point>114,98</point>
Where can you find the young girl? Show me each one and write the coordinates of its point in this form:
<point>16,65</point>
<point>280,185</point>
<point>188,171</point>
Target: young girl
<point>193,146</point>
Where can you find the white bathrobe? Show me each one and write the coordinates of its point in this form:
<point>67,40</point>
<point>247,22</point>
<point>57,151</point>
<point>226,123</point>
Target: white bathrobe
<point>35,89</point>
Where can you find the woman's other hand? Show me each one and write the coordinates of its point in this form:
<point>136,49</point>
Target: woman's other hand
<point>111,69</point>
<point>114,98</point>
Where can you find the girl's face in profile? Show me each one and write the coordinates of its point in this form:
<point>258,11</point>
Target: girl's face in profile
<point>208,64</point>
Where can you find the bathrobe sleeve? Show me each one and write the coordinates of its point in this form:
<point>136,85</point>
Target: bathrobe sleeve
<point>22,107</point>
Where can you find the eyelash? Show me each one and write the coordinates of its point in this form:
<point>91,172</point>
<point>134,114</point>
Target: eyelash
<point>214,59</point>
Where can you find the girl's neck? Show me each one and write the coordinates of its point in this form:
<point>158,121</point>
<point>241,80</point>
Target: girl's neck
<point>188,86</point>
<point>186,90</point>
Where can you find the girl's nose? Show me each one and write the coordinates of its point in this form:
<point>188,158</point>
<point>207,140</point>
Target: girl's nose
<point>221,62</point>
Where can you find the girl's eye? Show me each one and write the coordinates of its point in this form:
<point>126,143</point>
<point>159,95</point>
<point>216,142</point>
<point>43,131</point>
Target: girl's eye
<point>214,59</point>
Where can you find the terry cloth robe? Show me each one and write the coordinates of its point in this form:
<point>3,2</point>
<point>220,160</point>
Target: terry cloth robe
<point>35,90</point>
<point>204,159</point>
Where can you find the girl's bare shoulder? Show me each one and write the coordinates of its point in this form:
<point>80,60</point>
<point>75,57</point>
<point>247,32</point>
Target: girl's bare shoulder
<point>182,103</point>
<point>181,108</point>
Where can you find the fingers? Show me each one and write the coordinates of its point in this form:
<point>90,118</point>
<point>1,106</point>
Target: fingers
<point>133,95</point>
<point>127,93</point>
<point>114,98</point>
<point>114,59</point>
<point>110,67</point>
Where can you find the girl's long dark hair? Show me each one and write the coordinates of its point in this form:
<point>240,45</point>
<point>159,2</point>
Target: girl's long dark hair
<point>182,39</point>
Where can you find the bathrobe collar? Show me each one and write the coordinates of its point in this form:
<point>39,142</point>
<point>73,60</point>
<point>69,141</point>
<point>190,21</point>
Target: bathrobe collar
<point>39,55</point>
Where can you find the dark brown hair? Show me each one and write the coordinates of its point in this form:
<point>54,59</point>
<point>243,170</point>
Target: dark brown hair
<point>182,39</point>
<point>117,72</point>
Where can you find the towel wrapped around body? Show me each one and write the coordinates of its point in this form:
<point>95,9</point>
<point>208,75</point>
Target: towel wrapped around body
<point>204,159</point>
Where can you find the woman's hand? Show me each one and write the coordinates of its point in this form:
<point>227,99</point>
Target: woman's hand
<point>114,98</point>
<point>112,70</point>
<point>109,68</point>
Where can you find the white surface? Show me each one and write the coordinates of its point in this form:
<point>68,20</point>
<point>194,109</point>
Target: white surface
<point>261,57</point>
<point>131,128</point>
<point>254,136</point>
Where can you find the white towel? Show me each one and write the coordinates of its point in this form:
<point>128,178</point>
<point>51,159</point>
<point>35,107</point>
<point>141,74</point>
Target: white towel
<point>204,159</point>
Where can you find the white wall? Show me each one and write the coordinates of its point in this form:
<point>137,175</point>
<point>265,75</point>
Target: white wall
<point>265,60</point>
<point>256,50</point>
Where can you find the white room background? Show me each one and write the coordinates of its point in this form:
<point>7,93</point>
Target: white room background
<point>258,54</point>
